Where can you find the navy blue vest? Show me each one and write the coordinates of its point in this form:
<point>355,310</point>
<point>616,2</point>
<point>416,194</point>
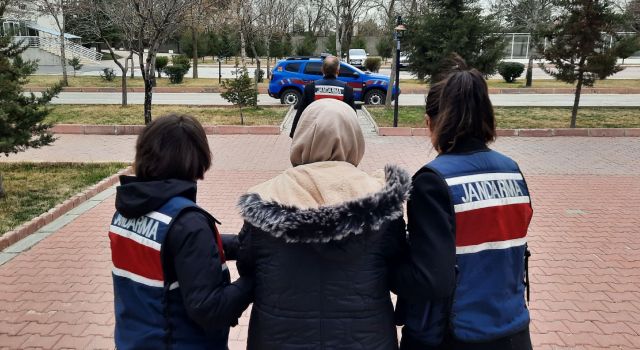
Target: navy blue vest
<point>493,210</point>
<point>149,309</point>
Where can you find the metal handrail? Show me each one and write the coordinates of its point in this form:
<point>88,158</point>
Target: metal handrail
<point>52,45</point>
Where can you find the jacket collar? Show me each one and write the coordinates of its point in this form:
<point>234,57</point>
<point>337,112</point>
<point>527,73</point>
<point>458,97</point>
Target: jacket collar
<point>329,223</point>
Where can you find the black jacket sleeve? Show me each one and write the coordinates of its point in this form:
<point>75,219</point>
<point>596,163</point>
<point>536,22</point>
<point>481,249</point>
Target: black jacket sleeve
<point>209,299</point>
<point>308,97</point>
<point>348,97</point>
<point>230,244</point>
<point>428,272</point>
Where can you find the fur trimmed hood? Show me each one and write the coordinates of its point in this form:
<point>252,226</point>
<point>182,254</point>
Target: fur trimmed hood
<point>331,222</point>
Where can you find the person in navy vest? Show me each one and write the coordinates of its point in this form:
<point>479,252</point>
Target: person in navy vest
<point>171,285</point>
<point>327,87</point>
<point>463,286</point>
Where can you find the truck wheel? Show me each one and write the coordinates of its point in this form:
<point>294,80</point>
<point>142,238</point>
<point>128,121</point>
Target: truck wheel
<point>290,97</point>
<point>374,97</point>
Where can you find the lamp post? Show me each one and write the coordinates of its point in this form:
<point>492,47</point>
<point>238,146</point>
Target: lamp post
<point>399,31</point>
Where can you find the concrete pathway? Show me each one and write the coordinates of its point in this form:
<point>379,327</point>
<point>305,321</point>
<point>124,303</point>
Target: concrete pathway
<point>214,99</point>
<point>585,268</point>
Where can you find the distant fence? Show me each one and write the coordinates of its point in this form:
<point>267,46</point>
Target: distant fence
<point>517,45</point>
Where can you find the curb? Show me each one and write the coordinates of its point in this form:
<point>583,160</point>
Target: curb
<point>289,116</point>
<point>581,132</point>
<point>59,210</point>
<point>82,129</point>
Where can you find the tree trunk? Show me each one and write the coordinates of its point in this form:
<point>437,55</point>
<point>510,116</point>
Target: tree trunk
<point>392,81</point>
<point>63,58</point>
<point>124,83</point>
<point>268,58</point>
<point>148,96</point>
<point>576,101</point>
<point>243,48</point>
<point>257,72</point>
<point>147,76</point>
<point>133,66</point>
<point>529,78</point>
<point>2,191</point>
<point>338,43</point>
<point>194,51</point>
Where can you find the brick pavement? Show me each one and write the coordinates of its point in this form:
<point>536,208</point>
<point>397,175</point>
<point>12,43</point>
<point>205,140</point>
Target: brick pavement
<point>585,269</point>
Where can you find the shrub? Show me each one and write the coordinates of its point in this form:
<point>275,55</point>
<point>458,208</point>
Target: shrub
<point>182,60</point>
<point>176,73</point>
<point>373,64</point>
<point>161,63</point>
<point>108,74</point>
<point>510,71</point>
<point>75,64</point>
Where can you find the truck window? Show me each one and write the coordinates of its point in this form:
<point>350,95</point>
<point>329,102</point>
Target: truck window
<point>346,72</point>
<point>292,67</point>
<point>313,68</point>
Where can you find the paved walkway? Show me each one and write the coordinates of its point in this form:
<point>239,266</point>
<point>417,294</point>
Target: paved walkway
<point>214,99</point>
<point>585,268</point>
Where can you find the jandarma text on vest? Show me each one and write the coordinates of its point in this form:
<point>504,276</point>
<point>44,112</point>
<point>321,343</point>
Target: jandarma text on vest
<point>493,189</point>
<point>143,226</point>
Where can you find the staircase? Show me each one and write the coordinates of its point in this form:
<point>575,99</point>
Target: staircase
<point>52,45</point>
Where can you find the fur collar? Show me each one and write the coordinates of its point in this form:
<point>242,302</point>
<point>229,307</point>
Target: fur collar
<point>329,223</point>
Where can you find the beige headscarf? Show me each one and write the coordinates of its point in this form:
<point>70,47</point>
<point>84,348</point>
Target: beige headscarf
<point>328,131</point>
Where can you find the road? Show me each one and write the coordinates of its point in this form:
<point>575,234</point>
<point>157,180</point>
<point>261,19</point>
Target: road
<point>209,71</point>
<point>214,99</point>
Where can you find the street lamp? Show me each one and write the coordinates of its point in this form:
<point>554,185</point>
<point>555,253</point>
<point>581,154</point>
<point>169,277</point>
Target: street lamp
<point>399,32</point>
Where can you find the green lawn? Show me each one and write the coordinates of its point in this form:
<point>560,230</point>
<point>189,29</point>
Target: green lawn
<point>133,115</point>
<point>527,117</point>
<point>91,81</point>
<point>34,188</point>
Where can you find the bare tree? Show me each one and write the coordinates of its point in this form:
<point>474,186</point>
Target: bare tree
<point>345,14</point>
<point>199,13</point>
<point>147,24</point>
<point>314,14</point>
<point>273,18</point>
<point>55,9</point>
<point>94,19</point>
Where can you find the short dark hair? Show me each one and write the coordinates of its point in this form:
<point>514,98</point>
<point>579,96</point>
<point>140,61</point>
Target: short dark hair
<point>172,147</point>
<point>463,111</point>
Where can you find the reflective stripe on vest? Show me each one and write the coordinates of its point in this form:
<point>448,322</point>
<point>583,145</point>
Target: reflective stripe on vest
<point>329,91</point>
<point>150,312</point>
<point>493,211</point>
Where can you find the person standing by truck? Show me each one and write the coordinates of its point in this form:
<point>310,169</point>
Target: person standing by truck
<point>327,87</point>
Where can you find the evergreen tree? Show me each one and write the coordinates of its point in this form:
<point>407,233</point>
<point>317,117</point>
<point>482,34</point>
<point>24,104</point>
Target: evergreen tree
<point>21,116</point>
<point>577,50</point>
<point>240,91</point>
<point>452,26</point>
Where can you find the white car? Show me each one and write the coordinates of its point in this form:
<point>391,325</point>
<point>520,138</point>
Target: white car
<point>404,60</point>
<point>357,57</point>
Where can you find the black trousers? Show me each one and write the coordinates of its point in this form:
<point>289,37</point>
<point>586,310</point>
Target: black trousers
<point>518,341</point>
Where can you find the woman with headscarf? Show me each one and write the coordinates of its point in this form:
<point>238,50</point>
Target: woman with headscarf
<point>320,238</point>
